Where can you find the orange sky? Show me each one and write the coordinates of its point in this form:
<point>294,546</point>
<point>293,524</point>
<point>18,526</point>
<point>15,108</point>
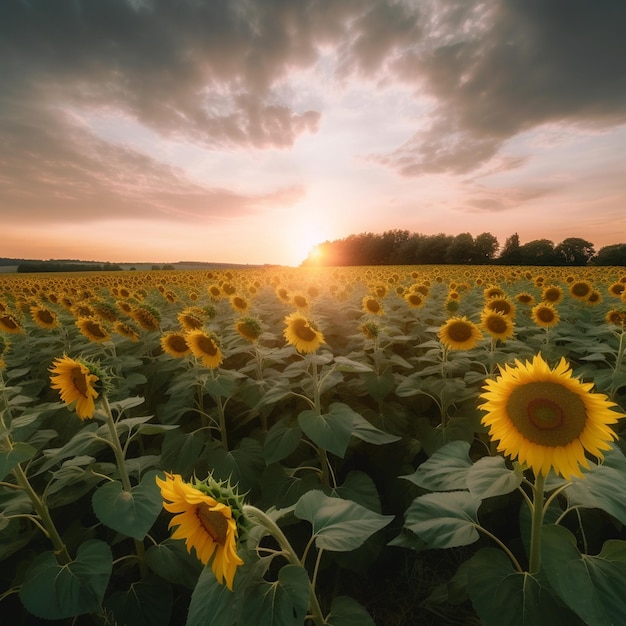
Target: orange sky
<point>247,132</point>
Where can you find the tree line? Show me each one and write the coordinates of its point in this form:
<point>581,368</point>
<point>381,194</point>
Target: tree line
<point>401,247</point>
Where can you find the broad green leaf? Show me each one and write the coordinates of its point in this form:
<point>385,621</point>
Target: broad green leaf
<point>281,440</point>
<point>490,477</point>
<point>444,520</point>
<point>147,602</point>
<point>502,595</point>
<point>133,512</point>
<point>338,525</point>
<point>365,431</point>
<point>9,459</point>
<point>242,466</point>
<point>85,441</point>
<point>281,603</point>
<point>348,365</point>
<point>360,488</point>
<point>172,562</point>
<point>380,386</point>
<point>71,481</point>
<point>330,432</point>
<point>54,591</point>
<point>593,586</point>
<point>212,603</point>
<point>180,451</point>
<point>446,470</point>
<point>603,486</point>
<point>280,489</point>
<point>345,611</point>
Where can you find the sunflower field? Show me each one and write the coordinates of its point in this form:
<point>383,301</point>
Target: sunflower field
<point>332,446</point>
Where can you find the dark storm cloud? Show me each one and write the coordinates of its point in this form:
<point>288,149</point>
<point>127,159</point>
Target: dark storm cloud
<point>498,68</point>
<point>209,72</point>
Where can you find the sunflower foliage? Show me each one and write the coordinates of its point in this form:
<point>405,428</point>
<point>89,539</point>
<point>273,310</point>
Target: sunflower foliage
<point>266,445</point>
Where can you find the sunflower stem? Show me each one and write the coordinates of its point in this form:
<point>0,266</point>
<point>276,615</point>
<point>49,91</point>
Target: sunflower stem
<point>125,479</point>
<point>222,417</point>
<point>537,522</point>
<point>317,404</point>
<point>274,530</point>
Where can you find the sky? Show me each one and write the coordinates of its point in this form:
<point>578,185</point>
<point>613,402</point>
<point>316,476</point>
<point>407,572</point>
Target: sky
<point>247,131</point>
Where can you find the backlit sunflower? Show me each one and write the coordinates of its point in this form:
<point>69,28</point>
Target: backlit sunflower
<point>44,317</point>
<point>459,333</point>
<point>497,325</point>
<point>239,304</point>
<point>76,381</point>
<point>9,324</point>
<point>525,298</point>
<point>545,315</point>
<point>372,305</point>
<point>545,418</point>
<point>175,344</point>
<point>249,328</point>
<point>93,329</point>
<point>205,524</point>
<point>204,346</point>
<point>302,333</point>
<point>580,289</point>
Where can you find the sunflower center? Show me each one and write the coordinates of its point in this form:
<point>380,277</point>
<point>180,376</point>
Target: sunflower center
<point>79,381</point>
<point>545,314</point>
<point>178,343</point>
<point>547,413</point>
<point>460,331</point>
<point>45,316</point>
<point>207,345</point>
<point>304,331</point>
<point>213,522</point>
<point>496,324</point>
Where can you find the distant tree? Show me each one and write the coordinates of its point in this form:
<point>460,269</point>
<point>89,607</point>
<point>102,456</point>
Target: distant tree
<point>461,249</point>
<point>611,255</point>
<point>485,247</point>
<point>433,249</point>
<point>155,267</point>
<point>538,252</point>
<point>574,251</point>
<point>510,253</point>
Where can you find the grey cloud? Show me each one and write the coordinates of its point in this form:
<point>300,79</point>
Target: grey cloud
<point>483,200</point>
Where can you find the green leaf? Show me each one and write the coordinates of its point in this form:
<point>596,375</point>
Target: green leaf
<point>365,431</point>
<point>146,603</point>
<point>243,466</point>
<point>172,562</point>
<point>338,525</point>
<point>281,489</point>
<point>380,386</point>
<point>180,451</point>
<point>211,603</point>
<point>345,611</point>
<point>348,365</point>
<point>282,439</point>
<point>281,603</point>
<point>502,595</point>
<point>490,477</point>
<point>360,488</point>
<point>446,470</point>
<point>9,459</point>
<point>330,431</point>
<point>593,586</point>
<point>54,591</point>
<point>444,520</point>
<point>133,512</point>
<point>603,486</point>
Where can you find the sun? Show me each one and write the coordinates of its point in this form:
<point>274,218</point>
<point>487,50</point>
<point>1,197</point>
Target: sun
<point>306,242</point>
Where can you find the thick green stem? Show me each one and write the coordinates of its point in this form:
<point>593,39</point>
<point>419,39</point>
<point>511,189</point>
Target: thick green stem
<point>60,549</point>
<point>317,402</point>
<point>537,523</point>
<point>121,467</point>
<point>264,520</point>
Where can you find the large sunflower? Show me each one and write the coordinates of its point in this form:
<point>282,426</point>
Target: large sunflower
<point>175,344</point>
<point>76,383</point>
<point>44,317</point>
<point>302,333</point>
<point>545,315</point>
<point>205,524</point>
<point>204,346</point>
<point>459,333</point>
<point>496,324</point>
<point>93,329</point>
<point>546,418</point>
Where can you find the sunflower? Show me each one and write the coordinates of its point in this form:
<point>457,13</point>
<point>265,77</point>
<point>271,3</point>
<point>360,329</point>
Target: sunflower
<point>499,326</point>
<point>126,330</point>
<point>525,298</point>
<point>190,318</point>
<point>239,304</point>
<point>300,301</point>
<point>370,330</point>
<point>459,333</point>
<point>302,333</point>
<point>249,328</point>
<point>372,305</point>
<point>493,292</point>
<point>9,324</point>
<point>93,329</point>
<point>76,381</point>
<point>44,317</point>
<point>147,317</point>
<point>552,294</point>
<point>580,289</point>
<point>546,418</point>
<point>175,344</point>
<point>205,524</point>
<point>204,346</point>
<point>414,300</point>
<point>545,315</point>
<point>501,305</point>
<point>616,289</point>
